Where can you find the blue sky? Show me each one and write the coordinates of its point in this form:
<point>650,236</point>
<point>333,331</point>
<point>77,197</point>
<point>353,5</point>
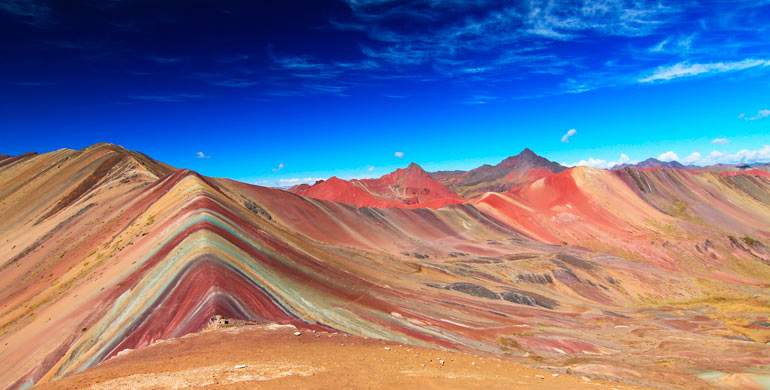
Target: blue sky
<point>278,92</point>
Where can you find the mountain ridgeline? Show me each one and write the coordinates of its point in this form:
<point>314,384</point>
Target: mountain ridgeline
<point>598,272</point>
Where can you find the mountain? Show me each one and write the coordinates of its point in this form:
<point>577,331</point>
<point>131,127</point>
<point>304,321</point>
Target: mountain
<point>107,255</point>
<point>406,187</point>
<point>5,159</point>
<point>516,170</point>
<point>655,163</point>
<point>756,169</point>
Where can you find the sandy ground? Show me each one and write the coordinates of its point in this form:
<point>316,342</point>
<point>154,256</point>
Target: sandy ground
<point>274,357</point>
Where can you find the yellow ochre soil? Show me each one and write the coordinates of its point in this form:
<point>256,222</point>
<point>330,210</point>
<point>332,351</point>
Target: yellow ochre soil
<point>275,357</point>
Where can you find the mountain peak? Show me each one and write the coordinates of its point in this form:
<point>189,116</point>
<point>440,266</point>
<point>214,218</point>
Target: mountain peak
<point>524,167</point>
<point>527,152</point>
<point>527,159</point>
<point>414,166</point>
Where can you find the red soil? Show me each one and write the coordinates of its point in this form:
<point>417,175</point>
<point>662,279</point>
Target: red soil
<point>410,187</point>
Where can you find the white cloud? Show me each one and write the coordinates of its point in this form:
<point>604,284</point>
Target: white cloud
<point>694,157</point>
<point>201,155</point>
<point>742,156</point>
<point>723,141</point>
<point>296,180</point>
<point>686,69</point>
<point>668,156</point>
<point>660,46</point>
<point>371,168</point>
<point>480,99</point>
<point>570,133</point>
<point>399,154</point>
<point>280,166</point>
<point>760,115</point>
<point>748,156</point>
<point>591,162</point>
<point>599,163</point>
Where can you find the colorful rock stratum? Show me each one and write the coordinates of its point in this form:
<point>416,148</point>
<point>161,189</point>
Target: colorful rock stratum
<point>651,276</point>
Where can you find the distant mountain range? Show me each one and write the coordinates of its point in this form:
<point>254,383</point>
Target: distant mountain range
<point>522,168</point>
<point>655,163</point>
<point>410,186</point>
<point>413,187</point>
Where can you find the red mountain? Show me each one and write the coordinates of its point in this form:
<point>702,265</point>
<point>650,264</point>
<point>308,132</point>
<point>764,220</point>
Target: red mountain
<point>407,187</point>
<point>514,171</point>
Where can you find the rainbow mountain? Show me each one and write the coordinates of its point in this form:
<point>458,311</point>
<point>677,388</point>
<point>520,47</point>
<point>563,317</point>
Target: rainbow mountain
<point>647,275</point>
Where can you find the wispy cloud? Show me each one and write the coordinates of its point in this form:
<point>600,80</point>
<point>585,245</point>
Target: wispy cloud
<point>280,166</point>
<point>761,114</point>
<point>675,45</point>
<point>229,59</point>
<point>480,99</point>
<point>201,155</point>
<point>399,154</point>
<point>686,69</point>
<point>570,133</point>
<point>668,156</point>
<point>296,180</point>
<point>371,168</point>
<point>233,83</point>
<point>165,60</point>
<point>33,12</point>
<point>306,67</point>
<point>493,38</point>
<point>34,83</point>
<point>88,44</point>
<point>723,141</point>
<point>173,98</point>
<point>496,45</point>
<point>305,75</point>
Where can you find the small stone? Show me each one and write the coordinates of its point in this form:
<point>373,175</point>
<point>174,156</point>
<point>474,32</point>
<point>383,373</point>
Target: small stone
<point>554,375</point>
<point>239,366</point>
<point>473,363</point>
<point>298,333</point>
<point>540,376</point>
<point>441,361</point>
<point>387,348</point>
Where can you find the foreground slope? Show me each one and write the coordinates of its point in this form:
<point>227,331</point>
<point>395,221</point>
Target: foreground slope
<point>117,251</point>
<point>235,358</point>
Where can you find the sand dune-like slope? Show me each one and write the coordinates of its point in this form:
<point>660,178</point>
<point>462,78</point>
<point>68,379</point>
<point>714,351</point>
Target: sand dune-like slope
<point>105,250</point>
<point>275,357</point>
